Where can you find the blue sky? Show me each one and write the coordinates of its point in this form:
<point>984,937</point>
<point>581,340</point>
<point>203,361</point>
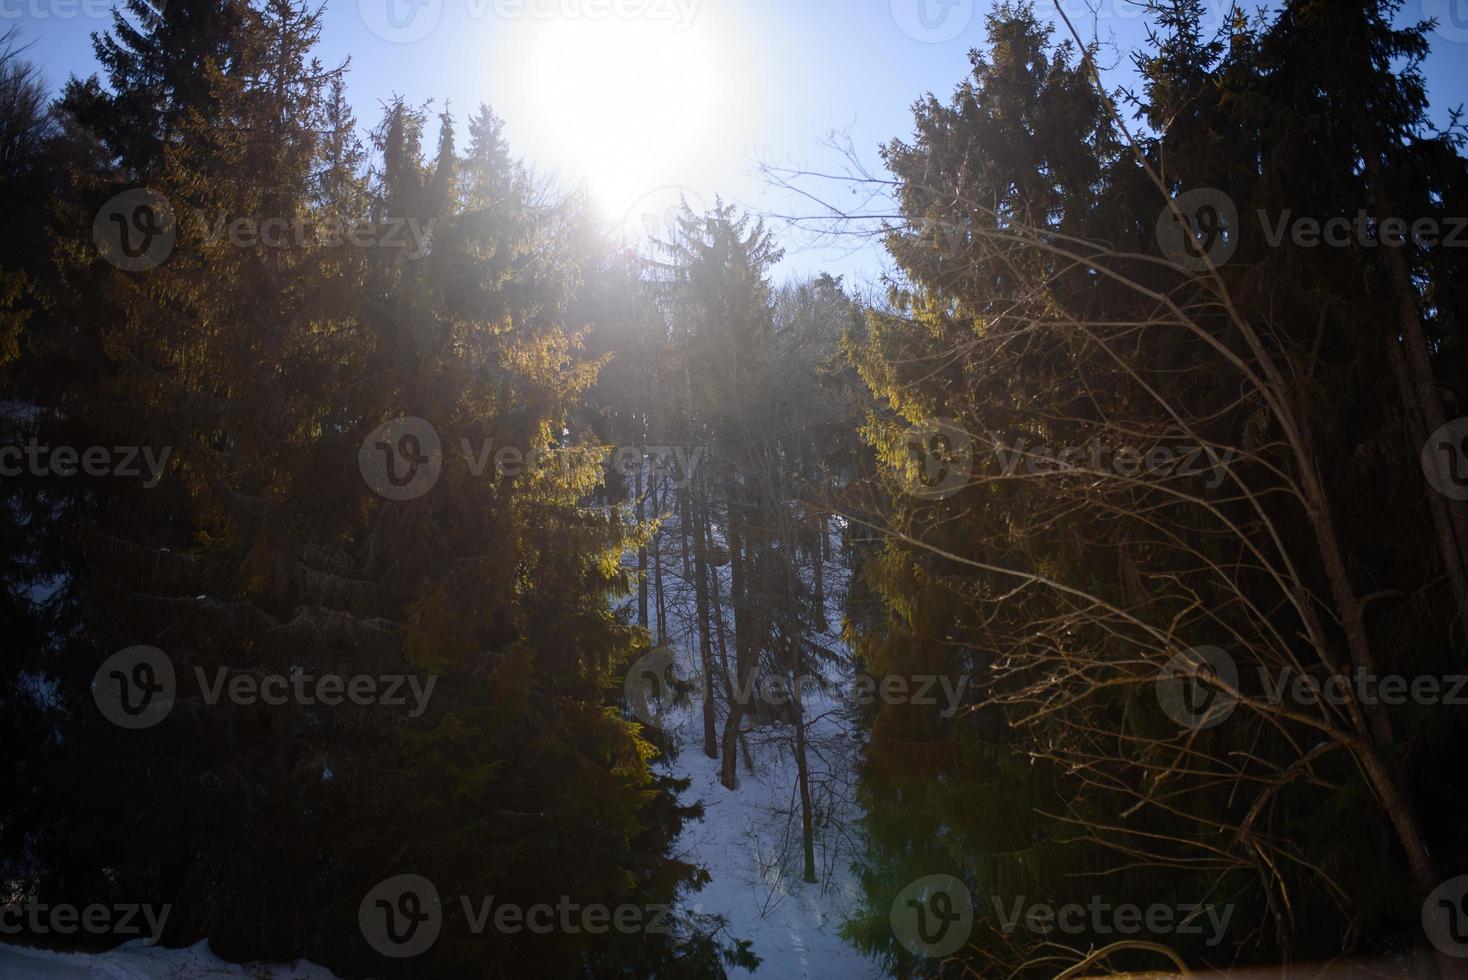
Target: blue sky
<point>644,100</point>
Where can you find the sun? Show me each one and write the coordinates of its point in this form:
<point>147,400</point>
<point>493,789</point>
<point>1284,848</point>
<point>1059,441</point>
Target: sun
<point>626,106</point>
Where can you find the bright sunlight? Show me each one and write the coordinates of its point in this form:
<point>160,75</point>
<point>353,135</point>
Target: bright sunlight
<point>624,105</point>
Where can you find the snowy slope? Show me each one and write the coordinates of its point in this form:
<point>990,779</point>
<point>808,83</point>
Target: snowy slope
<point>750,838</point>
<point>139,961</point>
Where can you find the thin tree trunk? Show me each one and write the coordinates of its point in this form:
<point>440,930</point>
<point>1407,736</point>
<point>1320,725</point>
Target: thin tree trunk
<point>705,648</point>
<point>744,668</point>
<point>657,571</point>
<point>685,522</point>
<point>802,770</point>
<point>642,561</point>
<point>820,576</point>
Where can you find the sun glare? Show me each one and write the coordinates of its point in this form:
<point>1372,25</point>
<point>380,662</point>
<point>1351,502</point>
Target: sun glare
<point>627,106</point>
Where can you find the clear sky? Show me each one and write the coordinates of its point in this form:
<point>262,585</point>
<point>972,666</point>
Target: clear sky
<point>642,100</point>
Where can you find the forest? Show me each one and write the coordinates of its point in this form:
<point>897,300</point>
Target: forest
<point>408,574</point>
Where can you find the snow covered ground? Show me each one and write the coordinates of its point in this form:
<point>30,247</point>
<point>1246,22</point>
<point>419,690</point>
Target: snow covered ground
<point>794,926</point>
<point>750,837</point>
<point>139,961</point>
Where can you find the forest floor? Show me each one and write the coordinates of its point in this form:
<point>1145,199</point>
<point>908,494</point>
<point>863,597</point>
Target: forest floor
<point>139,961</point>
<point>750,837</point>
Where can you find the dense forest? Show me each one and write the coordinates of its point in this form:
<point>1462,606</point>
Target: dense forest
<point>382,528</point>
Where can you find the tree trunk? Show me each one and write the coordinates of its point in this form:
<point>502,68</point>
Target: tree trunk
<point>817,553</point>
<point>685,523</point>
<point>657,573</point>
<point>802,770</point>
<point>744,668</point>
<point>705,647</point>
<point>642,561</point>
